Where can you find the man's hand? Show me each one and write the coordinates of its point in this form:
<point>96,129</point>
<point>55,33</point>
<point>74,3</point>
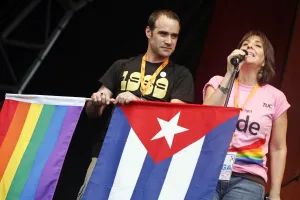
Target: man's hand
<point>125,97</point>
<point>100,99</point>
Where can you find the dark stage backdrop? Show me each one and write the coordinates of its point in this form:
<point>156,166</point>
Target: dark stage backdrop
<point>96,36</point>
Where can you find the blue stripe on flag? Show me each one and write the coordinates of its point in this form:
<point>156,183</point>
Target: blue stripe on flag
<point>209,165</point>
<point>149,188</point>
<point>107,165</point>
<point>44,152</point>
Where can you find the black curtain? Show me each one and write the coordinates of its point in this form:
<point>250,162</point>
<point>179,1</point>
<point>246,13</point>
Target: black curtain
<point>96,36</point>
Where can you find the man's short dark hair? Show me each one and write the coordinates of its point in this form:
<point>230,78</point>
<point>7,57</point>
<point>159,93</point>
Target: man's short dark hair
<point>163,12</point>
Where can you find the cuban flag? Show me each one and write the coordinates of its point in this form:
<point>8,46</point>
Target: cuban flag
<point>165,151</point>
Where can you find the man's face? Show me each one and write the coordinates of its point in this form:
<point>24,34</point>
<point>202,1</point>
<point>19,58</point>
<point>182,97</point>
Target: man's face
<point>164,37</point>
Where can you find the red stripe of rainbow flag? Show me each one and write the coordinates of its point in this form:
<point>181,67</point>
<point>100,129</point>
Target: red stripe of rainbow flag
<point>35,133</point>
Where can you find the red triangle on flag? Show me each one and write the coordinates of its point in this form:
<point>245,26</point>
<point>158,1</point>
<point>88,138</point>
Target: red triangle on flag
<point>148,119</point>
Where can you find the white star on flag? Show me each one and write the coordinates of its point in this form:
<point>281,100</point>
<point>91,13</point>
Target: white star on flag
<point>169,129</point>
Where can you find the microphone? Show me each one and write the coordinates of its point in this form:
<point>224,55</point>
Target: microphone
<point>239,58</point>
<point>235,61</point>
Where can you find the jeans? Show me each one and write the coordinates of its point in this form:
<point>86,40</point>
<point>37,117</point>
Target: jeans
<point>239,188</point>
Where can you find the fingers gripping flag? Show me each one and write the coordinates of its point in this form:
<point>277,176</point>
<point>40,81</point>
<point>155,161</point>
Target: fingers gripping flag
<point>162,151</point>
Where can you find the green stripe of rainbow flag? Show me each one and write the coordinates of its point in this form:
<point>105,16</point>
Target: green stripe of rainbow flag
<point>35,133</point>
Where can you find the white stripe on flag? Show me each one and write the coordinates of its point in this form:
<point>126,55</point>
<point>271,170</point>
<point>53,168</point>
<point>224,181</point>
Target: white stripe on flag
<point>47,99</point>
<point>129,168</point>
<point>181,171</point>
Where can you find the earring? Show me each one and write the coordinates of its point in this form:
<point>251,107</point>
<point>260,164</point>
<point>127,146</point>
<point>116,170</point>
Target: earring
<point>260,73</point>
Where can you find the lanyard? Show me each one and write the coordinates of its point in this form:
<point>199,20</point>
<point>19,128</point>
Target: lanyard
<point>236,99</point>
<point>143,69</point>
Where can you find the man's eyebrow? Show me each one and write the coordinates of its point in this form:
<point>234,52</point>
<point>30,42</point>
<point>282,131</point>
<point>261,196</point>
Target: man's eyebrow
<point>166,32</point>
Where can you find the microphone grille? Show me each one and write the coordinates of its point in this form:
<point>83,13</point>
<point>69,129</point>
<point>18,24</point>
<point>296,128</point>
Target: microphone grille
<point>246,52</point>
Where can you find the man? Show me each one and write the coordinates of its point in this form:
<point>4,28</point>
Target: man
<point>151,76</point>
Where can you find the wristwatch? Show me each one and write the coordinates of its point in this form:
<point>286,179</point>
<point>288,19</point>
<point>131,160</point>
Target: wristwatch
<point>268,198</point>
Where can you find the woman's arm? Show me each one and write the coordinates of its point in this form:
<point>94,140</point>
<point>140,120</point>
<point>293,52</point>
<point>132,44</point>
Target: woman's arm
<point>278,151</point>
<point>217,97</point>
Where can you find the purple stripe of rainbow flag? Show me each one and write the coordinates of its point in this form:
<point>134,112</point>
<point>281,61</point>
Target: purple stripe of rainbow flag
<point>35,133</point>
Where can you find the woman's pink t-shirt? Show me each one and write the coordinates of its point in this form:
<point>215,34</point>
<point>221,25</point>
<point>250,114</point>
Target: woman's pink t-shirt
<point>254,126</point>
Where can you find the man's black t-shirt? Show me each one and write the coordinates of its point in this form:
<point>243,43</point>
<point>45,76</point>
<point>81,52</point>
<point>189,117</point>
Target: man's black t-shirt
<point>173,82</point>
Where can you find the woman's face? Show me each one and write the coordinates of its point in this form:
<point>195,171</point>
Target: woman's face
<point>256,54</point>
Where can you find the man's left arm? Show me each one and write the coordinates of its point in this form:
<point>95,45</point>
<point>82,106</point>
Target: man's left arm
<point>278,152</point>
<point>183,91</point>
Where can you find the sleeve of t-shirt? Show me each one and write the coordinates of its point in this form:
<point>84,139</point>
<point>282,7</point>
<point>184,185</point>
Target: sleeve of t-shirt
<point>110,77</point>
<point>213,82</point>
<point>281,104</point>
<point>184,87</point>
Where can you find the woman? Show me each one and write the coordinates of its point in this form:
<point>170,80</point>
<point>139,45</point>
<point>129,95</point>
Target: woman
<point>262,121</point>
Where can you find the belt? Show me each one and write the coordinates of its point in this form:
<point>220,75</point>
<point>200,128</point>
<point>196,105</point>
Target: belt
<point>251,177</point>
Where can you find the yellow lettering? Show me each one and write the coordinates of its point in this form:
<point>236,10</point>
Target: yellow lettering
<point>161,87</point>
<point>134,81</point>
<point>123,82</point>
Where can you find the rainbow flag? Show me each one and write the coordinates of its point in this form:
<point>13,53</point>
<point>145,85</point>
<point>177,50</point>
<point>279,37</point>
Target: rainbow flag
<point>35,133</point>
<point>250,154</point>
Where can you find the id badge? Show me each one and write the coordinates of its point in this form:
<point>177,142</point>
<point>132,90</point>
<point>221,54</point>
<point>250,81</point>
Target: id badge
<point>226,171</point>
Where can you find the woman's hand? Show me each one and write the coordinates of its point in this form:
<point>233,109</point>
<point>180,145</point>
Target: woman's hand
<point>230,67</point>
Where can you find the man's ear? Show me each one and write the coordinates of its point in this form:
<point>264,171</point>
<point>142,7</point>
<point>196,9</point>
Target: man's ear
<point>148,32</point>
